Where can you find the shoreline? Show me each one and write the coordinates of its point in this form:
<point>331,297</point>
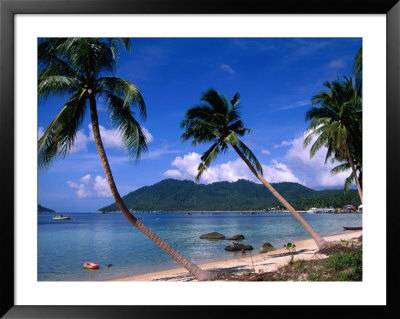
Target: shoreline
<point>305,249</point>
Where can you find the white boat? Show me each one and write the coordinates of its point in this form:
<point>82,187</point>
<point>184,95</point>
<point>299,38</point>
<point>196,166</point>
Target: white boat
<point>313,210</point>
<point>329,210</point>
<point>61,217</point>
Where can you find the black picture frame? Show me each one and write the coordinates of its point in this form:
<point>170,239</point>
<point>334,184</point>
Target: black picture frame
<point>8,10</point>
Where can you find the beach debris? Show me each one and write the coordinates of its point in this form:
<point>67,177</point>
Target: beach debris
<point>238,247</point>
<point>236,237</point>
<point>266,247</point>
<point>213,235</point>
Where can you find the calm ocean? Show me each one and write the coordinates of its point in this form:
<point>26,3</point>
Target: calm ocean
<point>63,246</point>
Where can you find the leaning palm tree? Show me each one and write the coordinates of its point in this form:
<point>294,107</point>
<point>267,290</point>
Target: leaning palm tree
<point>337,125</point>
<point>80,68</point>
<point>218,121</point>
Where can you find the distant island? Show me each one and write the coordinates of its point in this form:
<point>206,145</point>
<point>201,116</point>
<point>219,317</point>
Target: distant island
<point>178,195</point>
<point>42,209</point>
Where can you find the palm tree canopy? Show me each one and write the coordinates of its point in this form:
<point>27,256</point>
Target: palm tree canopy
<point>81,68</point>
<point>216,121</point>
<point>336,122</point>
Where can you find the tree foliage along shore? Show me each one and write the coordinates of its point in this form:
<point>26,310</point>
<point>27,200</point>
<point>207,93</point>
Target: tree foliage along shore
<point>176,195</point>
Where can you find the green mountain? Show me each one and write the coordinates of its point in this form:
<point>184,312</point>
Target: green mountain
<point>42,209</point>
<point>177,195</point>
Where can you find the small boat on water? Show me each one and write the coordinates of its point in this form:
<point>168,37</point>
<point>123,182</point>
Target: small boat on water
<point>61,217</point>
<point>189,213</point>
<point>352,228</point>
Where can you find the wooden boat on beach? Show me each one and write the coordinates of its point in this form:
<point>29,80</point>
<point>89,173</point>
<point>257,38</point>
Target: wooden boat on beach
<point>352,228</point>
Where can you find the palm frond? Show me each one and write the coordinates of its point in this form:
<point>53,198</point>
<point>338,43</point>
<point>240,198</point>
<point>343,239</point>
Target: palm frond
<point>198,125</point>
<point>206,159</point>
<point>250,157</point>
<point>122,118</point>
<point>348,183</point>
<point>59,136</point>
<point>340,168</point>
<point>125,90</point>
<point>56,85</point>
<point>218,103</point>
<point>235,100</point>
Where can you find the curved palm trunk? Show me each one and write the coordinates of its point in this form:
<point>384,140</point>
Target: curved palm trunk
<point>199,273</point>
<point>354,173</point>
<point>321,243</point>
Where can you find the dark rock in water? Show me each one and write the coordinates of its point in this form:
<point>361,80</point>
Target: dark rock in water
<point>213,235</point>
<point>238,247</point>
<point>236,237</point>
<point>266,247</point>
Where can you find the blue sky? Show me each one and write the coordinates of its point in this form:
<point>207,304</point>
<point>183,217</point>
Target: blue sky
<point>276,79</point>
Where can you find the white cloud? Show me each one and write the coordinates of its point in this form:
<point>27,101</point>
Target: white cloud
<point>101,187</point>
<point>80,143</point>
<point>81,189</point>
<point>230,171</point>
<point>266,152</point>
<point>337,64</point>
<point>227,68</point>
<point>292,106</point>
<point>282,144</point>
<point>87,187</point>
<point>149,137</point>
<point>278,172</point>
<point>86,179</point>
<point>173,173</point>
<point>316,173</point>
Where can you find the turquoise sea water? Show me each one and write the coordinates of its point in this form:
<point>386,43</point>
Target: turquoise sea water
<point>63,246</point>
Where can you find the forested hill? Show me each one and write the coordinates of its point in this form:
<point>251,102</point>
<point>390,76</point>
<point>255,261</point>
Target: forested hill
<point>42,209</point>
<point>176,195</point>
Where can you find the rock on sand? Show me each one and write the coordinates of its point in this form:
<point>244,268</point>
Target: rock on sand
<point>238,247</point>
<point>266,247</point>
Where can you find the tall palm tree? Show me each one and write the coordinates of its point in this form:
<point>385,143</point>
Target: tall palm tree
<point>218,121</point>
<point>337,124</point>
<point>81,68</point>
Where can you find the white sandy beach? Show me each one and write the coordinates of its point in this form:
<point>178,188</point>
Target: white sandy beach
<point>305,249</point>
